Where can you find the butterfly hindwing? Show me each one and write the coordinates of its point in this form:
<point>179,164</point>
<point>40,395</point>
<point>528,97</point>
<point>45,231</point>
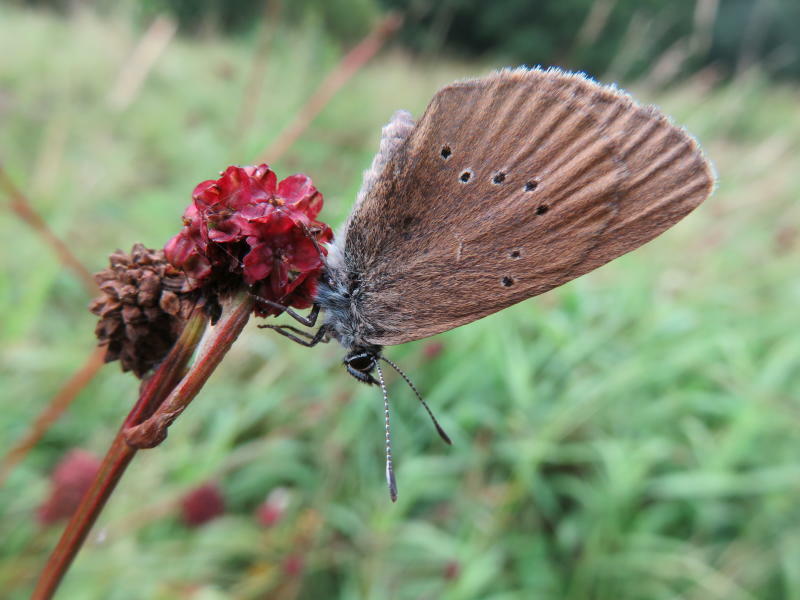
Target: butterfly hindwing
<point>507,187</point>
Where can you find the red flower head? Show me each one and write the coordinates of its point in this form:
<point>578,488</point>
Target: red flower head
<point>245,226</point>
<point>71,478</point>
<point>202,504</point>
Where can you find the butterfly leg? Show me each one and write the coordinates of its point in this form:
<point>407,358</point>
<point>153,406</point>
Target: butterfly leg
<point>293,334</point>
<point>294,330</point>
<point>308,321</point>
<point>312,235</point>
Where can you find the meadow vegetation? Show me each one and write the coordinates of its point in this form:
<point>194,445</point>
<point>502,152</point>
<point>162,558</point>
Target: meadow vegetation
<point>632,435</point>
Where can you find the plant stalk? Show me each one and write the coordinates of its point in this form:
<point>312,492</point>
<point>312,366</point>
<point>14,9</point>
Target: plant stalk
<point>236,311</point>
<point>119,455</point>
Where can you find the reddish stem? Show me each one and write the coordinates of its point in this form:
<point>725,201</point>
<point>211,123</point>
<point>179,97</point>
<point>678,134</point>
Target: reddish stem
<point>114,464</point>
<point>25,211</point>
<point>341,74</point>
<point>21,205</point>
<point>52,412</point>
<point>119,455</point>
<point>258,66</point>
<point>235,314</point>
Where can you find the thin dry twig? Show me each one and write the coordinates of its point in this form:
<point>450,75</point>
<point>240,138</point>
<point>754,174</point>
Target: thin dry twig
<point>335,80</point>
<point>258,66</point>
<point>22,207</point>
<point>25,211</point>
<point>705,15</point>
<point>142,60</point>
<point>52,412</point>
<point>668,65</point>
<point>595,22</point>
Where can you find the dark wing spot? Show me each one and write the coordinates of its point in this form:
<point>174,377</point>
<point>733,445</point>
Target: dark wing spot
<point>500,177</point>
<point>446,152</point>
<point>531,185</point>
<point>540,210</point>
<point>507,281</point>
<point>515,254</point>
<point>465,176</point>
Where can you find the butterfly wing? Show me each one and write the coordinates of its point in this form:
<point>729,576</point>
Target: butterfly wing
<point>507,187</point>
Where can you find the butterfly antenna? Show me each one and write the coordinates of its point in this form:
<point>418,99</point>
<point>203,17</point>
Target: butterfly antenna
<point>439,428</point>
<point>389,464</point>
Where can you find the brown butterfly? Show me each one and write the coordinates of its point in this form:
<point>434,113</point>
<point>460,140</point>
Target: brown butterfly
<point>508,186</point>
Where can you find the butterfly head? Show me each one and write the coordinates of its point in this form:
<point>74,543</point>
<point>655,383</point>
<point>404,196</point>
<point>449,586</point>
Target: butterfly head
<point>360,362</point>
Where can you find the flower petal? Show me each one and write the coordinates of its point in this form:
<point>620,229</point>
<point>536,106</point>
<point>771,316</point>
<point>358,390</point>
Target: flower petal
<point>205,194</point>
<point>296,187</point>
<point>266,178</point>
<point>304,255</point>
<point>257,264</point>
<point>279,278</point>
<point>300,193</point>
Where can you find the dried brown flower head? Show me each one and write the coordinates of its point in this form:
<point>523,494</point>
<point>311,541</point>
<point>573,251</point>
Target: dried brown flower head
<point>142,308</point>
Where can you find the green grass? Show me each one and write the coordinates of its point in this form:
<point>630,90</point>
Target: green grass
<point>632,435</point>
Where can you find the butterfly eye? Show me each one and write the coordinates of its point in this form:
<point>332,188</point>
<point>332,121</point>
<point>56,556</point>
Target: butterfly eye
<point>465,176</point>
<point>361,362</point>
<point>531,185</point>
<point>446,152</point>
<point>499,178</point>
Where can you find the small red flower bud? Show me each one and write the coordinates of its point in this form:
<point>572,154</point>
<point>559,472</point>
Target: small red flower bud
<point>432,349</point>
<point>71,478</point>
<point>246,227</point>
<point>273,508</point>
<point>201,505</point>
<point>451,570</point>
<point>293,565</point>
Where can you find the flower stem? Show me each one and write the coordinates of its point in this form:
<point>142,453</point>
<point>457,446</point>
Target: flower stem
<point>119,455</point>
<point>236,311</point>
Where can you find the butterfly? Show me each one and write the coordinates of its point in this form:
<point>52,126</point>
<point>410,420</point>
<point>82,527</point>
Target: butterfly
<point>508,186</point>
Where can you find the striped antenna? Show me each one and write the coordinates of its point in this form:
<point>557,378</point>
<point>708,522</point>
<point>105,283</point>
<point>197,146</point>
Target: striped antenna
<point>389,464</point>
<point>439,428</point>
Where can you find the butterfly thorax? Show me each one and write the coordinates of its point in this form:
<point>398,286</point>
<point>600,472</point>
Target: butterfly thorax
<point>339,295</point>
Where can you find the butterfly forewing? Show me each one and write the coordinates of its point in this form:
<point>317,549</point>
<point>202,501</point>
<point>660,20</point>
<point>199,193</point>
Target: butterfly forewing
<point>507,187</point>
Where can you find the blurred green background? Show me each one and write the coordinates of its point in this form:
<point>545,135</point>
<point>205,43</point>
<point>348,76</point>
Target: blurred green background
<point>632,435</point>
